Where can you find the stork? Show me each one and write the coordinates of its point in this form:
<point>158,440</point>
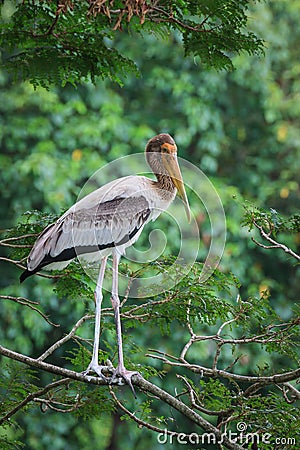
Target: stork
<point>106,222</point>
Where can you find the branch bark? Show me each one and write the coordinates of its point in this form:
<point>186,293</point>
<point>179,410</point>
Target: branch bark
<point>274,244</point>
<point>205,371</point>
<point>137,380</point>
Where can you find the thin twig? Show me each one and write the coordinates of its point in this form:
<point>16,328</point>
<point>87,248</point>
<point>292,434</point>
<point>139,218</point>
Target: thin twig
<point>274,243</point>
<point>16,238</point>
<point>66,338</point>
<point>205,371</point>
<point>295,394</point>
<point>140,422</point>
<point>170,18</point>
<point>24,301</point>
<point>196,405</point>
<point>31,397</point>
<point>49,403</point>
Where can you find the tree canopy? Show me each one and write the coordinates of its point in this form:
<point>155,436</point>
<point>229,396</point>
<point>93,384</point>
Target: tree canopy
<point>59,42</point>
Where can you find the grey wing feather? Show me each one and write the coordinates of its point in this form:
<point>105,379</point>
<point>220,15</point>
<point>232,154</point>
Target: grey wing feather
<point>105,225</point>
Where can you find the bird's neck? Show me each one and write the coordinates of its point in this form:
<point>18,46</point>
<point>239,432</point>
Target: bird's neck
<point>165,183</point>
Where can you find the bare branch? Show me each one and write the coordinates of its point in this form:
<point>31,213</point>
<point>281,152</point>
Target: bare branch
<point>217,355</point>
<point>26,302</point>
<point>294,392</point>
<point>169,18</point>
<point>140,422</point>
<point>205,371</point>
<point>13,261</point>
<point>55,369</point>
<point>5,241</point>
<point>31,397</point>
<point>274,244</point>
<point>147,387</point>
<point>196,405</point>
<point>60,407</point>
<point>66,338</point>
<point>137,380</point>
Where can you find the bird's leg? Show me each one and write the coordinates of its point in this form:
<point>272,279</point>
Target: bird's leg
<point>94,364</point>
<point>120,370</point>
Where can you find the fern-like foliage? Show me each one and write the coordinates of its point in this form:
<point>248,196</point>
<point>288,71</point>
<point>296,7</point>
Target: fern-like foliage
<point>67,42</point>
<point>229,358</point>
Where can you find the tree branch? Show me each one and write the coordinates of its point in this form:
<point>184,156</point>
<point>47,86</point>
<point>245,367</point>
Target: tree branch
<point>26,302</point>
<point>54,369</point>
<point>31,397</point>
<point>205,371</point>
<point>274,244</point>
<point>66,338</point>
<point>137,381</point>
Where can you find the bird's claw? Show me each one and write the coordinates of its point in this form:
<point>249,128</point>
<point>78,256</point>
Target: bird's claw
<point>126,375</point>
<point>119,372</point>
<point>98,369</point>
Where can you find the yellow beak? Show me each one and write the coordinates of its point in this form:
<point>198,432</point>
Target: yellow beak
<point>171,164</point>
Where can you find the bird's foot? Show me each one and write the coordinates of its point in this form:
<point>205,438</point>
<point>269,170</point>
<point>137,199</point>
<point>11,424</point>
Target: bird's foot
<point>120,371</point>
<point>99,369</point>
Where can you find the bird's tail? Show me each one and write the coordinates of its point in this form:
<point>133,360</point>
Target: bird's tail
<point>27,273</point>
<point>38,254</point>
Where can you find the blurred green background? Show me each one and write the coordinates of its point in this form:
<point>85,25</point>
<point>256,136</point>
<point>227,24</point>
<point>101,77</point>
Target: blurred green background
<point>241,128</point>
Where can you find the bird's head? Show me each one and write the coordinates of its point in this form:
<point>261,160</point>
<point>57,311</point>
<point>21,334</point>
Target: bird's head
<point>161,155</point>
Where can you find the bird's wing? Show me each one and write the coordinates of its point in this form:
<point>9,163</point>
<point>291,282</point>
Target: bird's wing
<point>85,230</point>
<point>124,187</point>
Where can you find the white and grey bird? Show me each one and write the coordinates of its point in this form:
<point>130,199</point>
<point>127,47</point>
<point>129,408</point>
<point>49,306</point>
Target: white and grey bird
<point>106,222</point>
